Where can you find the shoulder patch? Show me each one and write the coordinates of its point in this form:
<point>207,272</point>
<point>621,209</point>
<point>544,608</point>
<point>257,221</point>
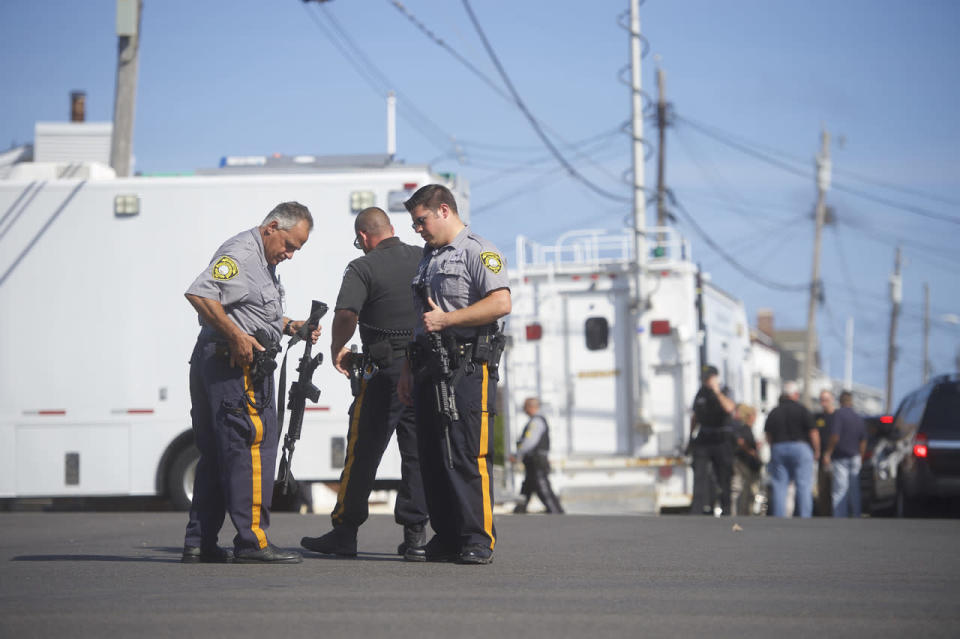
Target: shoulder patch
<point>492,261</point>
<point>225,268</point>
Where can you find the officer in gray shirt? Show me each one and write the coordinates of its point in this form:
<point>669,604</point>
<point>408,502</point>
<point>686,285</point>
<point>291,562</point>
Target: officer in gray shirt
<point>234,413</point>
<point>461,290</point>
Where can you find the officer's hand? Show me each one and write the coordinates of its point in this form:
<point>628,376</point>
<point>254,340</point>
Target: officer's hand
<point>341,361</point>
<point>405,387</point>
<point>298,324</point>
<point>241,349</point>
<point>434,319</point>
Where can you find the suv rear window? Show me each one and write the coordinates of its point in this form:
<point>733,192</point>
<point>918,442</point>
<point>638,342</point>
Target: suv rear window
<point>942,417</point>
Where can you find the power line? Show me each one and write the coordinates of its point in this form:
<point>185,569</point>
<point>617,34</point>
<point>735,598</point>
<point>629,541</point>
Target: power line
<point>933,215</point>
<point>723,139</point>
<point>513,99</point>
<point>530,117</point>
<point>735,202</point>
<point>729,258</point>
<point>380,83</point>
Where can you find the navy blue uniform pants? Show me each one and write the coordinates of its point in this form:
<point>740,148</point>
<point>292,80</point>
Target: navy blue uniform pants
<point>537,480</point>
<point>238,450</point>
<point>712,461</point>
<point>375,414</point>
<point>459,500</point>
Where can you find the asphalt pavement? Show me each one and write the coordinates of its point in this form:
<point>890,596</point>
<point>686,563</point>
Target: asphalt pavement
<point>118,575</point>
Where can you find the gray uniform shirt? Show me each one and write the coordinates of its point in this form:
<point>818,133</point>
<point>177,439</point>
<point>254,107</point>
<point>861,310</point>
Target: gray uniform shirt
<point>457,275</point>
<point>532,433</point>
<point>246,286</point>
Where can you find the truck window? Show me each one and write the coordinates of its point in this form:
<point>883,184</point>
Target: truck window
<point>597,331</point>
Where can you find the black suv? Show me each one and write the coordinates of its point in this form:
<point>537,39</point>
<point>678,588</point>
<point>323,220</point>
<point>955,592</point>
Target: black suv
<point>916,458</point>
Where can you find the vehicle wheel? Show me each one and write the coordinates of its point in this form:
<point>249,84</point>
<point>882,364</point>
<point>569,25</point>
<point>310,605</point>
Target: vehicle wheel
<point>180,477</point>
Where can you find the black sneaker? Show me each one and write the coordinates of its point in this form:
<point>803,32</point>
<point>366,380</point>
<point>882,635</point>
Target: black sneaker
<point>215,555</point>
<point>414,536</point>
<point>340,541</point>
<point>475,554</point>
<point>269,555</point>
<point>436,550</point>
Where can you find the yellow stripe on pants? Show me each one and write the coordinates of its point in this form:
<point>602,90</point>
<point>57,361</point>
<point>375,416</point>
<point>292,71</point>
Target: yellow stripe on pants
<point>255,464</point>
<point>351,452</point>
<point>482,459</point>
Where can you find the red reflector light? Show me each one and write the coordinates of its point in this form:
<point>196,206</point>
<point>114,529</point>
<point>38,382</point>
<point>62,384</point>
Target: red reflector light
<point>886,419</point>
<point>534,332</point>
<point>920,446</point>
<point>660,327</point>
<point>665,472</point>
<point>409,186</point>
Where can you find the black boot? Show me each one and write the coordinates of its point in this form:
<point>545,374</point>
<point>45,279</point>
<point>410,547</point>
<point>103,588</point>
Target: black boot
<point>341,541</point>
<point>414,537</point>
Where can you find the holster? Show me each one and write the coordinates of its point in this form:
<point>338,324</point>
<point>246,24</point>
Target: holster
<point>265,361</point>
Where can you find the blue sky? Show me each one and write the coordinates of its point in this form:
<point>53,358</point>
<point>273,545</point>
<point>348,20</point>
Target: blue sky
<point>250,77</point>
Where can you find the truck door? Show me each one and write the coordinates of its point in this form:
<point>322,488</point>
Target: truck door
<point>595,372</point>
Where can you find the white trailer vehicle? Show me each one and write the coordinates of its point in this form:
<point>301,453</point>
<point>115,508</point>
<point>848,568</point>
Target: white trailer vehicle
<point>95,333</point>
<point>572,340</point>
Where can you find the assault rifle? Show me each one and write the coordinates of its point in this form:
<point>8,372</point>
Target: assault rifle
<point>285,488</point>
<point>443,391</point>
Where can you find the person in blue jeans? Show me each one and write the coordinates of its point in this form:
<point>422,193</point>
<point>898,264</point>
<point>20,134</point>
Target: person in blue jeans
<point>794,444</point>
<point>843,453</point>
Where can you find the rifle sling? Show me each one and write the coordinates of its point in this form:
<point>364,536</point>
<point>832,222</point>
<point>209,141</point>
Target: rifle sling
<point>282,393</point>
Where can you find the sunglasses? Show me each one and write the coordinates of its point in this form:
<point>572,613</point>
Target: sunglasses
<point>419,222</point>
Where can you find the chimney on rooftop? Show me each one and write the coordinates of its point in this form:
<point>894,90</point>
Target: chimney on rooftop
<point>765,321</point>
<point>78,106</point>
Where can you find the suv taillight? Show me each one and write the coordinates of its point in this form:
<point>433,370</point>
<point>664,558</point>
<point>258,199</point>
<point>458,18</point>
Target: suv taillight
<point>920,445</point>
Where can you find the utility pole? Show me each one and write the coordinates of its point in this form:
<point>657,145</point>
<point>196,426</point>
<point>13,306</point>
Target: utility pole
<point>848,359</point>
<point>128,52</point>
<point>639,223</point>
<point>823,185</point>
<point>896,296</point>
<point>661,150</point>
<point>926,332</point>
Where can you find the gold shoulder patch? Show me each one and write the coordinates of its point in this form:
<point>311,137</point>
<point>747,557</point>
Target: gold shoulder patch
<point>225,268</point>
<point>492,261</point>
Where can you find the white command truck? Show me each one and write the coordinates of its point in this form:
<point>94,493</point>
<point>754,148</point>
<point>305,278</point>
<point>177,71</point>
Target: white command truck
<point>573,344</point>
<point>95,332</point>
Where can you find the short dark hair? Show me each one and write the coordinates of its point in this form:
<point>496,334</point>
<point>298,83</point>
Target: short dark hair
<point>431,197</point>
<point>372,220</point>
<point>708,372</point>
<point>846,399</point>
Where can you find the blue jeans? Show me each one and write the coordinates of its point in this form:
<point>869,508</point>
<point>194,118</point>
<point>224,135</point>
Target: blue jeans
<point>791,461</point>
<point>846,486</point>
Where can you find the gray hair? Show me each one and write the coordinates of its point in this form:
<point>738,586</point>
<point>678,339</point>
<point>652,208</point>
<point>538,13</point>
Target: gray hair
<point>790,388</point>
<point>288,215</point>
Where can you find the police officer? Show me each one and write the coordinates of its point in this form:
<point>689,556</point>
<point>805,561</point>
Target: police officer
<point>375,293</point>
<point>231,387</point>
<point>823,503</point>
<point>713,446</point>
<point>461,290</point>
<point>532,448</point>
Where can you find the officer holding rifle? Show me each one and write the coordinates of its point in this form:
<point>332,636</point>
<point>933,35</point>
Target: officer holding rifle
<point>461,290</point>
<point>239,300</point>
<point>375,294</point>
